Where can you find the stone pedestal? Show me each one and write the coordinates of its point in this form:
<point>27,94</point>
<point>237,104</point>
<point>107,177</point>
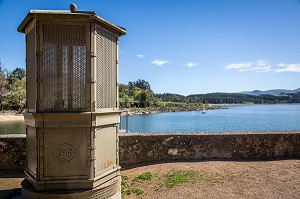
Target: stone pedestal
<point>71,150</point>
<point>109,190</point>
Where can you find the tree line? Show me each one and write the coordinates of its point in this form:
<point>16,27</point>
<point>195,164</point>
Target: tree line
<point>136,94</point>
<point>233,98</point>
<point>12,89</point>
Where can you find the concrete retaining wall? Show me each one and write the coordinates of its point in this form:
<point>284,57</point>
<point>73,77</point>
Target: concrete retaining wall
<point>150,147</point>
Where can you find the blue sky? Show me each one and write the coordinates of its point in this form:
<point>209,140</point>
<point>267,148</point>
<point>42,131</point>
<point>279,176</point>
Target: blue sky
<point>186,47</point>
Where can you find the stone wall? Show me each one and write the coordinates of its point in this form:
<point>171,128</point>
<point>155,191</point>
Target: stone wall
<point>149,147</point>
<point>12,151</point>
<point>152,147</point>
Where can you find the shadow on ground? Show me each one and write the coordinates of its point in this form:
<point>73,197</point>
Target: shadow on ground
<point>141,164</point>
<point>9,179</point>
<point>10,193</point>
<point>8,173</point>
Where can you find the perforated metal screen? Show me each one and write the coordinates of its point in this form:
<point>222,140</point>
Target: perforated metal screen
<point>31,69</point>
<point>106,69</point>
<point>64,68</point>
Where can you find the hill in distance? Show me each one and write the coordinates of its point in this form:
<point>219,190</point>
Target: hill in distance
<point>270,92</point>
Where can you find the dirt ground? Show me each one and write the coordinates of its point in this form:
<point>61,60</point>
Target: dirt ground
<point>222,179</point>
<point>218,179</point>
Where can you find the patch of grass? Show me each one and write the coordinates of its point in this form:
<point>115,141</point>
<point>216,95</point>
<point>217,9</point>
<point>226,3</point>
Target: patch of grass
<point>179,177</point>
<point>138,186</point>
<point>128,188</point>
<point>137,191</point>
<point>124,186</point>
<point>144,176</point>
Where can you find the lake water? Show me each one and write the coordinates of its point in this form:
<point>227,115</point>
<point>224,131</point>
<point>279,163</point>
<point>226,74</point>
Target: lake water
<point>233,118</point>
<point>12,127</point>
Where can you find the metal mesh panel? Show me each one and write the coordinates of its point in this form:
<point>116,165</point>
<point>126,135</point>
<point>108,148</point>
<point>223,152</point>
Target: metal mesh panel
<point>106,70</point>
<point>31,69</point>
<point>64,68</point>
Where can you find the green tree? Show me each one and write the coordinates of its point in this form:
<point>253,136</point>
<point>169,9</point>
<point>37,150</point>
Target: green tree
<point>128,101</point>
<point>142,84</point>
<point>16,74</point>
<point>135,93</point>
<point>3,87</point>
<point>146,98</point>
<point>16,95</point>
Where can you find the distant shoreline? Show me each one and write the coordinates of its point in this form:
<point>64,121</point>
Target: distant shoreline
<point>13,116</point>
<point>145,111</point>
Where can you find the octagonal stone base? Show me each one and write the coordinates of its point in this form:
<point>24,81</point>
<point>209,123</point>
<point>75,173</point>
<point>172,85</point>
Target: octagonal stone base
<point>108,190</point>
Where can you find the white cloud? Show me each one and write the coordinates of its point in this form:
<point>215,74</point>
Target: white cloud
<point>258,66</point>
<point>261,65</point>
<point>261,69</point>
<point>288,68</point>
<point>160,62</point>
<point>191,64</point>
<point>239,66</point>
<point>140,56</point>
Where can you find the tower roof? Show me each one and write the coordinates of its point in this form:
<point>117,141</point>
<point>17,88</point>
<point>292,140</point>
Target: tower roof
<point>57,15</point>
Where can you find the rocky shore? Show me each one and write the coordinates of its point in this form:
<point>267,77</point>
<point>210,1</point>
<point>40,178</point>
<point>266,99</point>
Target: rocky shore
<point>13,116</point>
<point>10,116</point>
<point>152,110</point>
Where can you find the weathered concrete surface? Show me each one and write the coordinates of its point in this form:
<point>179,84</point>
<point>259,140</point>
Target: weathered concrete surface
<point>12,151</point>
<point>147,147</point>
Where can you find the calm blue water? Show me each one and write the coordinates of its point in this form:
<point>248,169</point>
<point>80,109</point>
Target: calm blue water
<point>233,118</point>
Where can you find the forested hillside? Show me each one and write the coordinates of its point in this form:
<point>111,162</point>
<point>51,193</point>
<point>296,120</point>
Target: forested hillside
<point>271,92</point>
<point>139,94</point>
<point>236,98</point>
